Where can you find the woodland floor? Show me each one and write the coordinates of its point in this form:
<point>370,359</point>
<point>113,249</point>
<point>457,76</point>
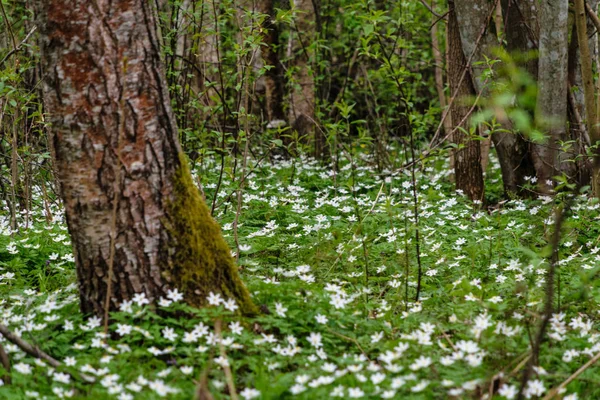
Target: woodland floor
<point>332,260</point>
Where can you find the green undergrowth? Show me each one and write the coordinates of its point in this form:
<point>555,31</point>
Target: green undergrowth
<point>333,268</point>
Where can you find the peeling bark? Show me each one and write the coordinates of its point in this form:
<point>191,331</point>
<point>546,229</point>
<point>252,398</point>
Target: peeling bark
<point>111,118</point>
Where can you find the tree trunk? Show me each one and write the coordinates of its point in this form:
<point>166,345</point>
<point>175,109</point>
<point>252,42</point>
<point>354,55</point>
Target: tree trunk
<point>467,158</point>
<point>130,203</point>
<point>587,76</point>
<point>475,22</point>
<point>302,96</point>
<point>578,130</point>
<point>210,82</point>
<point>551,107</point>
<point>274,75</point>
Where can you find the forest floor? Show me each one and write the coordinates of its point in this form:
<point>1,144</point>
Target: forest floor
<point>333,261</point>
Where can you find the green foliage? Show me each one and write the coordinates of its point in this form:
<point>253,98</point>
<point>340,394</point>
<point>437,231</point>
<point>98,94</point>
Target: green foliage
<point>332,263</point>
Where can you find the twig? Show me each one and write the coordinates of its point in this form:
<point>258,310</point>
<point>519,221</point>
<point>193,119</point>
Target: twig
<point>520,365</point>
<point>431,10</point>
<point>226,369</point>
<point>549,302</point>
<point>593,16</point>
<point>445,335</point>
<point>17,48</point>
<point>571,378</point>
<point>348,338</point>
<point>6,364</point>
<point>8,27</point>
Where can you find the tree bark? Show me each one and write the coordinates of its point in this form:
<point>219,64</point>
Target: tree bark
<point>551,107</point>
<point>302,96</point>
<point>274,75</point>
<point>587,76</point>
<point>578,130</point>
<point>467,158</point>
<point>477,38</point>
<point>129,199</point>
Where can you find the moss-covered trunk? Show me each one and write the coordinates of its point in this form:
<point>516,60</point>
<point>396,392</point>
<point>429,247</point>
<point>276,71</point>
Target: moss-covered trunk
<point>119,161</point>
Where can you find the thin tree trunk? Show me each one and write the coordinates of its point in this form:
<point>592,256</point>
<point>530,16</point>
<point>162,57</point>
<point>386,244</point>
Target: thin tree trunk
<point>119,161</point>
<point>551,107</point>
<point>274,75</point>
<point>588,89</point>
<point>478,39</point>
<point>579,133</point>
<point>467,158</point>
<point>302,96</point>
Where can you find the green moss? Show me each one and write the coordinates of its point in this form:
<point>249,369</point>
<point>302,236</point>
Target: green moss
<point>201,259</point>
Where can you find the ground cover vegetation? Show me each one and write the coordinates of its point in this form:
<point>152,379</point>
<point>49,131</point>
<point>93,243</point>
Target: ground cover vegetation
<point>408,190</point>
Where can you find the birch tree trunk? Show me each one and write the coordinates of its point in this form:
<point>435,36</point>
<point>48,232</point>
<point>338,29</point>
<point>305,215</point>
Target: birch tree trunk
<point>130,203</point>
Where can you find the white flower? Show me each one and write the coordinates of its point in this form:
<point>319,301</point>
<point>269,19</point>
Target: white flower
<point>123,329</point>
<point>467,346</point>
<point>169,334</point>
<point>297,388</point>
<point>23,368</point>
<point>61,377</point>
<point>378,378</point>
<point>338,391</point>
<point>419,387</point>
<point>214,299</point>
<point>70,361</point>
<point>315,339</point>
<point>421,362</point>
<point>280,309</point>
<point>534,388</point>
<point>569,355</point>
<point>236,328</point>
<point>355,393</point>
<point>230,305</point>
<point>249,393</point>
<point>495,299</point>
<point>164,302</point>
<point>376,337</point>
<point>321,319</point>
<point>140,299</point>
<point>186,369</point>
<point>126,306</point>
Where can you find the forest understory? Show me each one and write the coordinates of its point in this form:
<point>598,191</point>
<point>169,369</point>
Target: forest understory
<point>334,263</point>
<point>311,199</point>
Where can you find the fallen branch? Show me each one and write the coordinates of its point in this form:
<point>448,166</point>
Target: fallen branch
<point>571,378</point>
<point>35,351</point>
